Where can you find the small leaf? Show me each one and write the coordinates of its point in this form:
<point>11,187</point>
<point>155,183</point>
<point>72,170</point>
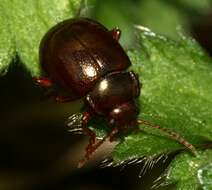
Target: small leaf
<point>23,24</point>
<point>189,172</point>
<point>176,94</point>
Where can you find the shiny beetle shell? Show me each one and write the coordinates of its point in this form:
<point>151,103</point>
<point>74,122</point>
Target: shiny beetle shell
<point>81,46</point>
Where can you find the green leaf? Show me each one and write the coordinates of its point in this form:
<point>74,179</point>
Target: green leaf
<point>167,16</point>
<point>189,172</point>
<point>176,93</point>
<point>196,5</point>
<point>162,16</point>
<point>23,24</point>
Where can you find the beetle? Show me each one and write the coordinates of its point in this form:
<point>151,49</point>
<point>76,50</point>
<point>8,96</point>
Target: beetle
<point>85,58</point>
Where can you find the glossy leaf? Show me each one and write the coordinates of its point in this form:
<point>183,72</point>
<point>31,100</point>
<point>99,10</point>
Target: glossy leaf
<point>23,24</point>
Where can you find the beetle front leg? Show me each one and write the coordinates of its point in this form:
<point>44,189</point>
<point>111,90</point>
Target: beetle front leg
<point>92,136</point>
<point>116,33</point>
<point>42,81</point>
<point>94,147</point>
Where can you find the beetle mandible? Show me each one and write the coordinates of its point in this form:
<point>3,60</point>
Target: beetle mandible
<point>85,59</point>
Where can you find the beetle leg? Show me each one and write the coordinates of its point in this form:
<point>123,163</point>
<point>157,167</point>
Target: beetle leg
<point>116,33</point>
<point>112,134</point>
<point>92,136</point>
<point>42,81</point>
<point>57,98</point>
<point>63,99</point>
<point>94,147</point>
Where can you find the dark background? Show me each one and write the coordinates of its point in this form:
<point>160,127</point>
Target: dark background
<point>37,151</point>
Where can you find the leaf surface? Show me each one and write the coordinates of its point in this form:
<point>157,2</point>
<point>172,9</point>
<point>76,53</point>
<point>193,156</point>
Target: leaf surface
<point>23,24</point>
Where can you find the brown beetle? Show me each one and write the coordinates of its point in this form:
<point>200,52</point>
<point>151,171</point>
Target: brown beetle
<point>85,58</point>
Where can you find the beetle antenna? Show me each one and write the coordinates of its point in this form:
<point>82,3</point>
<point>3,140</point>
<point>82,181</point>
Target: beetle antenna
<point>171,134</point>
